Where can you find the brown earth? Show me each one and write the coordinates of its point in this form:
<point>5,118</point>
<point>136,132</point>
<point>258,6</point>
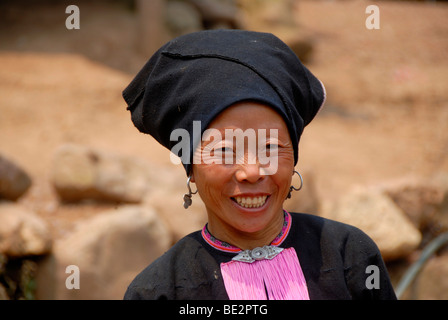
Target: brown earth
<point>385,119</point>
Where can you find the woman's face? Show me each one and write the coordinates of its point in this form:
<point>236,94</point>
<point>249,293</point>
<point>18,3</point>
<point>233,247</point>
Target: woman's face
<point>242,191</point>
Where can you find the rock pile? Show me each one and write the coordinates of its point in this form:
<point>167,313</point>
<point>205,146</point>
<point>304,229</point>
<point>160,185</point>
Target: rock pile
<point>80,173</point>
<point>402,217</point>
<point>14,181</point>
<point>108,250</point>
<point>426,205</point>
<point>378,216</point>
<point>22,233</point>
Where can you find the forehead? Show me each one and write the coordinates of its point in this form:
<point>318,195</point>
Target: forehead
<point>249,115</point>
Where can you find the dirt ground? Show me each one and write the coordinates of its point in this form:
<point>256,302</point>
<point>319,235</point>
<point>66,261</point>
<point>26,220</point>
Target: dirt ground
<point>385,119</point>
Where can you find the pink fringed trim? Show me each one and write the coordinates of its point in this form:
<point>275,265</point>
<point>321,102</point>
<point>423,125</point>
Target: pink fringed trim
<point>278,279</point>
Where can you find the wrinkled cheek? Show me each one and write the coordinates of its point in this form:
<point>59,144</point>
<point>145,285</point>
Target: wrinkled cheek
<point>209,183</point>
<point>283,180</point>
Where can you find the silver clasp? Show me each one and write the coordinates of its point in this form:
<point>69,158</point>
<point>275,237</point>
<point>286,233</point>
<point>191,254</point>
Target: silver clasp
<point>259,253</point>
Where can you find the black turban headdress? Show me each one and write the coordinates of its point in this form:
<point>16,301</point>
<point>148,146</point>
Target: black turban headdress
<point>196,76</point>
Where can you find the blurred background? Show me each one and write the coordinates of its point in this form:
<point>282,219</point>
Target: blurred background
<point>79,185</point>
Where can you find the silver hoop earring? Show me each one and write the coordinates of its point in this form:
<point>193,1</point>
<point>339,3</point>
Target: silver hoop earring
<point>294,188</point>
<point>187,196</point>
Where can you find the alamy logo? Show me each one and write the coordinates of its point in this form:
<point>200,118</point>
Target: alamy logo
<point>72,281</point>
<point>72,21</point>
<point>373,20</point>
<point>233,146</point>
<point>373,280</point>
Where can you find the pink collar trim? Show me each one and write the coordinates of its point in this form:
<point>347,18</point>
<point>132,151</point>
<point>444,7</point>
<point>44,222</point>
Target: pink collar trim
<point>226,247</point>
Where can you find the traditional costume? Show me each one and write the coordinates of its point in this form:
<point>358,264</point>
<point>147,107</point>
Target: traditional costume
<point>321,259</point>
<point>194,78</point>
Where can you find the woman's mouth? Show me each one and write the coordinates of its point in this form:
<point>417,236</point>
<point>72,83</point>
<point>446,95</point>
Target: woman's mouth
<point>250,202</point>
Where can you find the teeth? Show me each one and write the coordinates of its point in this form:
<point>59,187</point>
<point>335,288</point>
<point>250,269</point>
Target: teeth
<point>251,202</point>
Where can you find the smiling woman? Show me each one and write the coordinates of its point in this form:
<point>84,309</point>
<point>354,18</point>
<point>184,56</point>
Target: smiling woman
<point>252,98</point>
<point>245,206</point>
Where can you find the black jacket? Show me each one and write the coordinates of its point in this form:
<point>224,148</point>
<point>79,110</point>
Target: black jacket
<point>334,258</point>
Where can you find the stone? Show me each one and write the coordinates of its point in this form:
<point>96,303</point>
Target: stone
<point>424,203</point>
<point>14,181</point>
<point>22,232</point>
<point>432,282</point>
<point>303,48</point>
<point>109,250</point>
<point>81,173</point>
<point>270,13</point>
<point>182,18</point>
<point>218,14</point>
<point>380,218</point>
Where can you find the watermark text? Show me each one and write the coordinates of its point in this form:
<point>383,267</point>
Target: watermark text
<point>233,146</point>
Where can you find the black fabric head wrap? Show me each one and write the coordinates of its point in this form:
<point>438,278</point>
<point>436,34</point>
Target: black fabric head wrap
<point>198,75</point>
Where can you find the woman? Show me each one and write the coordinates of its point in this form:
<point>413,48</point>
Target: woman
<point>251,97</point>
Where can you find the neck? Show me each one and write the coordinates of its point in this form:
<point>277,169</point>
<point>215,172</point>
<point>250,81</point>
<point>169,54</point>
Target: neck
<point>246,240</point>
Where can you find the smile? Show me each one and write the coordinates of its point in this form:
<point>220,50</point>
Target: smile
<point>250,202</point>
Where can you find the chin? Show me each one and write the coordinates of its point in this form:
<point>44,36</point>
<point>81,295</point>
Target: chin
<point>252,222</point>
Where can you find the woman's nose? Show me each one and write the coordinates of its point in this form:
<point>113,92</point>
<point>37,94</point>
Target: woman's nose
<point>249,173</point>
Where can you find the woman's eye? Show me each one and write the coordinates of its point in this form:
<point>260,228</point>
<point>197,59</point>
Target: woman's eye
<point>222,151</point>
<point>226,149</point>
<point>272,146</point>
<point>272,149</point>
